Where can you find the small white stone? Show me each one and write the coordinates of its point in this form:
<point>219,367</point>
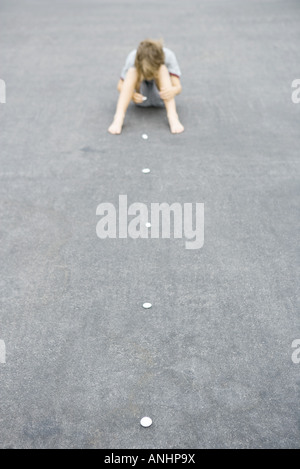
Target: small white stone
<point>146,422</point>
<point>147,305</point>
<point>145,136</point>
<point>146,170</point>
<point>148,225</point>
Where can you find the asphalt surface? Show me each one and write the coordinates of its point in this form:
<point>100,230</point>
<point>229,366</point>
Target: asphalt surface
<point>210,362</point>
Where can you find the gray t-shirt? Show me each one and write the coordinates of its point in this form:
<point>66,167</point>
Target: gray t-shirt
<point>170,62</point>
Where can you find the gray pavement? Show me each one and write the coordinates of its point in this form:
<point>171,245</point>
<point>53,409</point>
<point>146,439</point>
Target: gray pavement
<point>210,362</point>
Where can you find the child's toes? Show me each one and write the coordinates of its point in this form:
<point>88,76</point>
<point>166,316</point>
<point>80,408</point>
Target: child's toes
<point>116,127</point>
<point>177,128</point>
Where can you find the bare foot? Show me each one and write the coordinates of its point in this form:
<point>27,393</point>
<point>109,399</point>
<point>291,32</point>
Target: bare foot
<point>175,125</point>
<point>116,127</point>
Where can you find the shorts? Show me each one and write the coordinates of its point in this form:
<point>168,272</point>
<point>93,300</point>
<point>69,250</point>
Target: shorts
<point>150,90</point>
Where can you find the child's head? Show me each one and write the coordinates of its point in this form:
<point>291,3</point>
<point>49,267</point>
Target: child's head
<point>149,57</point>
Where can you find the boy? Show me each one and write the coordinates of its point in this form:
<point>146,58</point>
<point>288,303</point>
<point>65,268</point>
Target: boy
<point>150,77</point>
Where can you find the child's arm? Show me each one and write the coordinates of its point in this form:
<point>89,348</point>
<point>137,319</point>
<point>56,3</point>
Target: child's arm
<point>176,84</point>
<point>169,93</point>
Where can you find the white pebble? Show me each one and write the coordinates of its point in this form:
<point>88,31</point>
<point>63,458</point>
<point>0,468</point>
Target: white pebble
<point>146,422</point>
<point>145,136</point>
<point>147,305</point>
<point>146,170</point>
<point>148,225</point>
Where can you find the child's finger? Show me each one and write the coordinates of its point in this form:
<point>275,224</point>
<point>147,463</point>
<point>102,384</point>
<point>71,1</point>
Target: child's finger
<point>140,98</point>
<point>137,98</point>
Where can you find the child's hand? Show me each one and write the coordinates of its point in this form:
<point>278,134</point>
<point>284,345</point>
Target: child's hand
<point>167,93</point>
<point>138,98</point>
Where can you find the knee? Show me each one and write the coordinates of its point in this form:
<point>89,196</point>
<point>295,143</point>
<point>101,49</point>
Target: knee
<point>131,78</point>
<point>163,75</point>
<point>163,67</point>
<point>162,70</point>
<point>131,73</point>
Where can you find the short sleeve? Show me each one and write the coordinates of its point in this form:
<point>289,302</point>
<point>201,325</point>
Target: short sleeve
<point>128,64</point>
<point>171,63</point>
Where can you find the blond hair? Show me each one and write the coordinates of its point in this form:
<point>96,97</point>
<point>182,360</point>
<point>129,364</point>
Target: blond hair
<point>149,57</point>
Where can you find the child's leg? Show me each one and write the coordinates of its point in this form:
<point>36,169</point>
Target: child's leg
<point>125,97</point>
<point>164,81</point>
